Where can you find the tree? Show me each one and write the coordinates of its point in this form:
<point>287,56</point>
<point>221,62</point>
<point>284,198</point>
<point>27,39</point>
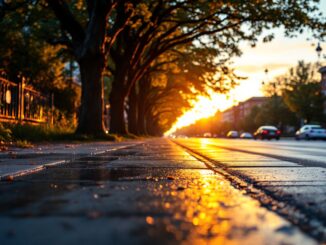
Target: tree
<point>172,80</point>
<point>89,29</point>
<point>303,93</point>
<point>164,25</point>
<point>293,96</point>
<point>24,52</point>
<point>147,29</point>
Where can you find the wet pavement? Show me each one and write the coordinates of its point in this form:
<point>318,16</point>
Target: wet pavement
<point>20,161</point>
<point>275,173</point>
<point>160,192</point>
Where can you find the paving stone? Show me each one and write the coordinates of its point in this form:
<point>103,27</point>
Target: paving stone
<point>157,163</point>
<point>255,164</point>
<point>93,202</point>
<point>196,206</point>
<point>18,161</point>
<point>283,174</point>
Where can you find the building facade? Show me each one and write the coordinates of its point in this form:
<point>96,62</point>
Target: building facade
<point>240,111</point>
<point>322,71</point>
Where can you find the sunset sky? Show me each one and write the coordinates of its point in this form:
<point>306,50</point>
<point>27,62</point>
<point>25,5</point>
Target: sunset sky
<point>277,56</point>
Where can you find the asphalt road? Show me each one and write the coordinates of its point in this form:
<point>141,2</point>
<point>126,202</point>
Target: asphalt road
<point>286,176</point>
<point>308,151</point>
<point>180,191</point>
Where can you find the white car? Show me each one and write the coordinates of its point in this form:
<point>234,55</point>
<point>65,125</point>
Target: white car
<point>232,134</point>
<point>311,132</point>
<point>246,135</point>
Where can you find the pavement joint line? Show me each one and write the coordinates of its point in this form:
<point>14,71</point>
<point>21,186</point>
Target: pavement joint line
<point>11,176</point>
<point>136,167</point>
<point>275,166</point>
<point>280,185</point>
<point>33,170</point>
<point>303,162</point>
<point>303,181</point>
<point>113,149</point>
<point>316,230</point>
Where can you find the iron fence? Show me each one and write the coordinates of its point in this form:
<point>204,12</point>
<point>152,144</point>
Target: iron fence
<point>8,99</point>
<point>19,102</point>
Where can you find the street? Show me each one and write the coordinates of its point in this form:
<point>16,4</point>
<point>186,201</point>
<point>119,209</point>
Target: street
<point>173,191</point>
<point>287,176</point>
<point>307,151</point>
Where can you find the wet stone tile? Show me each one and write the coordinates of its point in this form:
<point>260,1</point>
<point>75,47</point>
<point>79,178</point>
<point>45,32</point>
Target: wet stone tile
<point>172,163</point>
<point>9,169</point>
<point>283,174</point>
<point>309,198</point>
<point>292,183</point>
<point>243,163</point>
<point>167,207</point>
<point>91,202</point>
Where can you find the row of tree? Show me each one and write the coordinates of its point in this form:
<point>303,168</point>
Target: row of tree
<point>155,54</point>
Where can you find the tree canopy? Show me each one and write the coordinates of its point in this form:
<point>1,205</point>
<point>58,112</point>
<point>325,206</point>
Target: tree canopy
<point>167,51</point>
<point>302,93</point>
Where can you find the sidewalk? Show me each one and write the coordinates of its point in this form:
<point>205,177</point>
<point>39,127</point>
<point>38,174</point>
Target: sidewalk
<point>151,193</point>
<point>19,161</point>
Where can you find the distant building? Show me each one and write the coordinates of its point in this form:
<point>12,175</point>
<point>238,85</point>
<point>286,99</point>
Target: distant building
<point>245,107</point>
<point>228,115</point>
<point>240,111</point>
<point>322,71</point>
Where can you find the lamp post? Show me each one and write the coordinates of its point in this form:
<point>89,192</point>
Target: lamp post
<point>273,89</point>
<point>319,50</point>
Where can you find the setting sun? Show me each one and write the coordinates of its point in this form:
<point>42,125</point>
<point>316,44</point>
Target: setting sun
<point>202,107</point>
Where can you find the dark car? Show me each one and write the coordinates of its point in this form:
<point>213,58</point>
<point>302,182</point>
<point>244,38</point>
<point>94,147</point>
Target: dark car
<point>267,132</point>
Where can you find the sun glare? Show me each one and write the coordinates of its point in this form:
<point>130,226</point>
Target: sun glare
<point>202,107</point>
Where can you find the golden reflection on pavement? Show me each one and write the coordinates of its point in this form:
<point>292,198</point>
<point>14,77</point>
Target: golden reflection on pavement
<point>208,210</point>
<point>204,142</point>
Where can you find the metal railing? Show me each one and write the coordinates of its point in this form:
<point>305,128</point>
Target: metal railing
<point>8,99</point>
<point>19,102</point>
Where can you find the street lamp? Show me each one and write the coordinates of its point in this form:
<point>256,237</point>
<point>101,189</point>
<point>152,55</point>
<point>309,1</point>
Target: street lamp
<point>263,83</point>
<point>319,50</point>
<point>266,75</point>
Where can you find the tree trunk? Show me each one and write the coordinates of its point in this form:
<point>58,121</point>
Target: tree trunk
<point>90,120</point>
<point>149,127</point>
<point>142,99</point>
<point>88,46</point>
<point>132,111</point>
<point>117,98</point>
<point>117,118</point>
<point>141,124</point>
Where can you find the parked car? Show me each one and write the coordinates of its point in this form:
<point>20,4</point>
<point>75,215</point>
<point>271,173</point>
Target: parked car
<point>232,134</point>
<point>207,135</point>
<point>246,135</point>
<point>267,132</point>
<point>310,131</point>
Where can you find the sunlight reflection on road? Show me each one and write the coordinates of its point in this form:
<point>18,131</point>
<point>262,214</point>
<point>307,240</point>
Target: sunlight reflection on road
<point>208,210</point>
